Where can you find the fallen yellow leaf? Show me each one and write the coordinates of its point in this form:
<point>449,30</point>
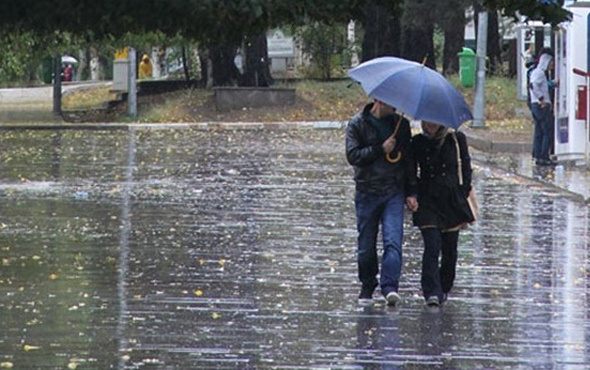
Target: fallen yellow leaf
<point>28,348</point>
<point>198,292</point>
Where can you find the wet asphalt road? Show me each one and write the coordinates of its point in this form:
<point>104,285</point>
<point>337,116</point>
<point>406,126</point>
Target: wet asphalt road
<point>192,249</point>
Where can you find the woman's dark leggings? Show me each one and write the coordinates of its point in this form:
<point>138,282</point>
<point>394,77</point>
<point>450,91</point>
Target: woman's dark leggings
<point>438,279</point>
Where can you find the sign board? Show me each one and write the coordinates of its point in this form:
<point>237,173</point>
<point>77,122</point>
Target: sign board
<point>280,46</point>
<point>122,54</point>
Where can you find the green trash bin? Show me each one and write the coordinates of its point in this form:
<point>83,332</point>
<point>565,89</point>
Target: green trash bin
<point>467,67</point>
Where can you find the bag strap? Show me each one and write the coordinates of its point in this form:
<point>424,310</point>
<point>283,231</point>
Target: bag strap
<point>459,164</point>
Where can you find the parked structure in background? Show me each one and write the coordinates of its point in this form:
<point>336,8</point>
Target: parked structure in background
<point>572,68</point>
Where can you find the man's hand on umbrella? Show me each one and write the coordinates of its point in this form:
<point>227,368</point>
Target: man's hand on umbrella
<point>389,144</point>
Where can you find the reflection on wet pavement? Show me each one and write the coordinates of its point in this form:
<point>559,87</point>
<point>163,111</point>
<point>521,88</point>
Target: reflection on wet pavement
<point>198,249</point>
<point>571,176</point>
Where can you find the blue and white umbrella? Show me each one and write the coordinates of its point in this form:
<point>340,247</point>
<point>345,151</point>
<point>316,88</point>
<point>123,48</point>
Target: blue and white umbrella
<point>416,90</point>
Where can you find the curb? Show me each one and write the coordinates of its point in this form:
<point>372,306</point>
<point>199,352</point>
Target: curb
<point>487,145</point>
<point>316,125</point>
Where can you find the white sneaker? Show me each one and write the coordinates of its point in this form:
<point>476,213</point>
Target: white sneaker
<point>432,301</point>
<point>393,299</point>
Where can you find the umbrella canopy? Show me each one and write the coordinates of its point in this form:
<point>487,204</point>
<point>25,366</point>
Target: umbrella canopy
<point>413,88</point>
<point>68,59</point>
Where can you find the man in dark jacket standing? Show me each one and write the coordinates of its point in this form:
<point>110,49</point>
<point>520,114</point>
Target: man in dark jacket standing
<point>377,144</point>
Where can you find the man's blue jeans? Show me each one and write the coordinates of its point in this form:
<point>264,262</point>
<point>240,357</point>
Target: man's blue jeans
<point>387,210</point>
<point>543,135</point>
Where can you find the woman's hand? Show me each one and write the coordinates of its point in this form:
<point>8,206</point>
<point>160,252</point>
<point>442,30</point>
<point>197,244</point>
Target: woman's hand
<point>412,203</point>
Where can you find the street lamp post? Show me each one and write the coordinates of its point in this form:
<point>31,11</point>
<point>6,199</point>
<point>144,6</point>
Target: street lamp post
<point>480,78</point>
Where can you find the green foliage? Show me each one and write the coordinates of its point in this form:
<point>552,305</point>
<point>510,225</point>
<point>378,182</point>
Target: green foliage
<point>220,23</point>
<point>12,58</point>
<point>323,42</point>
<point>548,11</point>
<point>23,52</point>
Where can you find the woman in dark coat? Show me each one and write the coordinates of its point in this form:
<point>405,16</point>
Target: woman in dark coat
<point>442,205</point>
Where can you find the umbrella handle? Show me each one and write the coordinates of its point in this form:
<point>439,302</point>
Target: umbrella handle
<point>393,160</point>
<point>399,153</point>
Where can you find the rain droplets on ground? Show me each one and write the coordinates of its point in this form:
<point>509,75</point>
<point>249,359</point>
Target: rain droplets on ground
<point>193,248</point>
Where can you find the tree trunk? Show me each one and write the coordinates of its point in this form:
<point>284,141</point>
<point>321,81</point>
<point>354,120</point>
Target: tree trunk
<point>494,50</point>
<point>382,32</point>
<point>454,32</point>
<point>185,64</point>
<point>256,63</point>
<point>512,57</point>
<point>156,63</point>
<point>418,32</point>
<point>94,65</point>
<point>419,44</point>
<point>206,69</point>
<point>225,72</point>
<point>81,71</point>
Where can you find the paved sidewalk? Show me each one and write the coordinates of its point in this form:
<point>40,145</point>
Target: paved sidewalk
<point>207,247</point>
<point>34,104</point>
<point>508,151</point>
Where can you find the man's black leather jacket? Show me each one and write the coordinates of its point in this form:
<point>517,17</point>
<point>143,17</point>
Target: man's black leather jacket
<point>373,172</point>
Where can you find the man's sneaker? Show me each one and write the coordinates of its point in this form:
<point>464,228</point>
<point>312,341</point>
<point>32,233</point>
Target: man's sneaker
<point>393,299</point>
<point>432,301</point>
<point>366,295</point>
<point>545,162</point>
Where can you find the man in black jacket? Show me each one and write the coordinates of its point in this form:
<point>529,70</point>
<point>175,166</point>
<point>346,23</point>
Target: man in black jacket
<point>377,145</point>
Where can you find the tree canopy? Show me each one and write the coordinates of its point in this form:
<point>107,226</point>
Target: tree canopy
<point>547,11</point>
<point>210,20</point>
<point>230,24</point>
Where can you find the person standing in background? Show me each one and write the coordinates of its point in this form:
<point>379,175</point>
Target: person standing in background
<point>145,67</point>
<point>542,108</point>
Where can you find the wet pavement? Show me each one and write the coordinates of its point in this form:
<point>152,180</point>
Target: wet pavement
<point>192,248</point>
<point>34,104</point>
<point>572,177</point>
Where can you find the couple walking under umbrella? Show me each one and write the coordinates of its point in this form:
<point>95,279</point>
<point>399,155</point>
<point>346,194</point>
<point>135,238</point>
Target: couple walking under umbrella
<point>429,173</point>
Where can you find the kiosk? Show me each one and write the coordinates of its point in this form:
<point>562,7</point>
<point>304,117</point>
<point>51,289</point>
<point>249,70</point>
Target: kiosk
<point>572,67</point>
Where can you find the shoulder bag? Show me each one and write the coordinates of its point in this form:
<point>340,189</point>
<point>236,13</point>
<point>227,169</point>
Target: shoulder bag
<point>471,198</point>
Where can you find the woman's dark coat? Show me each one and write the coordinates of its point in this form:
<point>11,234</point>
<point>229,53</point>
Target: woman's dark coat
<point>441,200</point>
